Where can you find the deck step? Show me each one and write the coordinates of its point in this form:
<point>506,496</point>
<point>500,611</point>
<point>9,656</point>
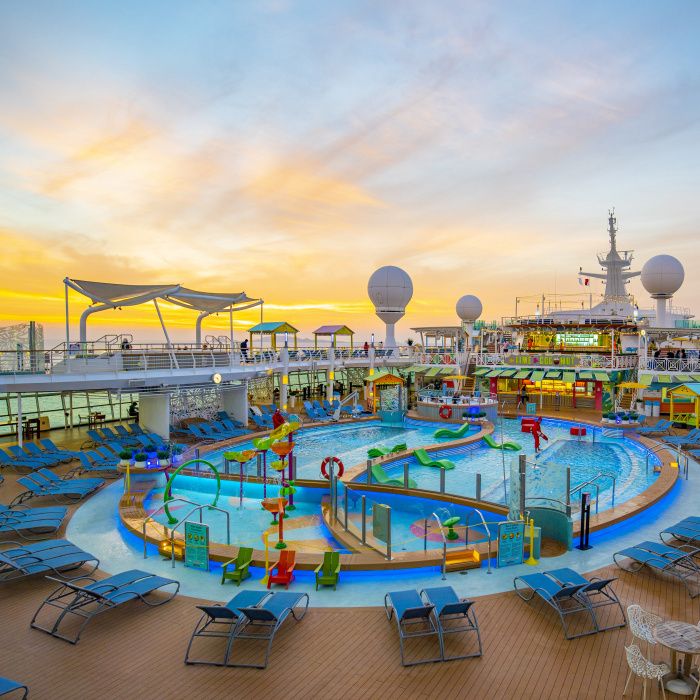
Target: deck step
<point>462,559</point>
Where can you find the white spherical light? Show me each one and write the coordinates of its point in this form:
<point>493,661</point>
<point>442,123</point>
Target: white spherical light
<point>469,308</point>
<point>662,276</point>
<point>390,289</point>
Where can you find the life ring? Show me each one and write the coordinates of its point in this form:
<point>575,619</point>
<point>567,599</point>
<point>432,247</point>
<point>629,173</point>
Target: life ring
<point>445,412</point>
<point>335,460</point>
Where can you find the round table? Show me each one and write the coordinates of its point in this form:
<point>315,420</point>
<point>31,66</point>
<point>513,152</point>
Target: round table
<point>680,638</point>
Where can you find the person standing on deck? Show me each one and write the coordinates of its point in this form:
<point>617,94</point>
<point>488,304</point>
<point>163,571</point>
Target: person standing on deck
<point>522,399</point>
<point>277,419</point>
<point>366,348</point>
<point>537,434</point>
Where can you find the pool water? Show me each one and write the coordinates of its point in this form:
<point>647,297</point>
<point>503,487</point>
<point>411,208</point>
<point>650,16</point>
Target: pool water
<point>304,528</point>
<point>588,457</point>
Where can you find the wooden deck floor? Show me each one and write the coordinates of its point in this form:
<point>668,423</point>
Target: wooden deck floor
<point>137,652</point>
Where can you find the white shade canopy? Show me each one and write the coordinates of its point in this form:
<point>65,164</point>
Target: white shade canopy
<point>210,302</point>
<point>121,294</point>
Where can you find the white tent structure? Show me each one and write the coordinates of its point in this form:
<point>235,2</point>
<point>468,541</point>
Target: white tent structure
<point>208,303</point>
<point>105,295</point>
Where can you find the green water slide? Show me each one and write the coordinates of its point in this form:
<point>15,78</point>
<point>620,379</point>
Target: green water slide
<point>425,460</point>
<point>168,496</point>
<point>447,433</point>
<point>505,446</point>
<point>381,477</point>
<point>383,451</point>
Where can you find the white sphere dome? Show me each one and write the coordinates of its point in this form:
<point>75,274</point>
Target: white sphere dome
<point>469,308</point>
<point>390,289</point>
<point>662,275</point>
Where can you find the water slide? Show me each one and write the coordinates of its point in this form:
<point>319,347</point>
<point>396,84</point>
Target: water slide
<point>505,446</point>
<point>426,460</point>
<point>447,433</point>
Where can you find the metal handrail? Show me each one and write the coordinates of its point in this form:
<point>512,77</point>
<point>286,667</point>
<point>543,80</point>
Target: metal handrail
<point>592,481</point>
<point>488,534</point>
<point>199,508</point>
<point>150,517</point>
<point>444,546</point>
<point>567,506</point>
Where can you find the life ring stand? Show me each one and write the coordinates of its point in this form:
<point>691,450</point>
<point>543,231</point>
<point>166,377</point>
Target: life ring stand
<point>445,412</point>
<point>335,460</point>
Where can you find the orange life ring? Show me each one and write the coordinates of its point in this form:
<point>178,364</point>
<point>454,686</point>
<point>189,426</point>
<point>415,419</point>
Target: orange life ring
<point>445,411</point>
<point>335,460</point>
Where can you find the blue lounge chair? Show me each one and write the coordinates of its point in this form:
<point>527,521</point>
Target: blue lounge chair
<point>135,429</point>
<point>661,426</point>
<point>261,622</point>
<point>52,449</point>
<point>197,433</point>
<point>563,598</point>
<point>598,593</point>
<point>44,460</point>
<point>260,422</point>
<point>41,488</point>
<point>50,477</point>
<point>34,451</point>
<point>678,562</point>
<point>88,467</point>
<point>220,621</point>
<point>7,686</point>
<point>50,556</point>
<point>224,417</point>
<point>454,615</point>
<point>414,618</point>
<point>123,432</point>
<point>692,438</point>
<point>313,412</point>
<point>87,601</point>
<point>96,438</point>
<point>7,460</point>
<point>234,427</point>
<point>687,530</point>
<point>31,523</point>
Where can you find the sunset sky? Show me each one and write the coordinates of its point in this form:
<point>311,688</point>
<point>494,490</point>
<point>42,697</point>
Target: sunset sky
<point>289,148</point>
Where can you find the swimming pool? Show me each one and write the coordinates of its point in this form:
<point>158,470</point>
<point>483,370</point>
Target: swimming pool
<point>304,528</point>
<point>589,456</point>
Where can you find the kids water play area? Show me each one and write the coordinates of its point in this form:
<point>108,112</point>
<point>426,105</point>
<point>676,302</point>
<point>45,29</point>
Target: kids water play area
<point>499,508</point>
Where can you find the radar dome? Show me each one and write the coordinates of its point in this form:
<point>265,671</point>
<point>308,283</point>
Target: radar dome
<point>662,276</point>
<point>469,308</point>
<point>390,289</point>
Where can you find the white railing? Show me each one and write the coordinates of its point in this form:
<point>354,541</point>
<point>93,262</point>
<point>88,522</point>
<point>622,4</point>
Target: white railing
<point>668,364</point>
<point>556,360</point>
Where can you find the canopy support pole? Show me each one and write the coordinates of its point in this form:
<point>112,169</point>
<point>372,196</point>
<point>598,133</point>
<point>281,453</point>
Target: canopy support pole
<point>230,333</point>
<point>19,420</point>
<point>67,321</point>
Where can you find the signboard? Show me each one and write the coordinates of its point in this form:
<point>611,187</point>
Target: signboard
<point>531,408</point>
<point>197,546</point>
<point>511,540</point>
<point>381,522</point>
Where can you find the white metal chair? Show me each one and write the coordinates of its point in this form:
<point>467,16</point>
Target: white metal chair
<point>645,669</point>
<point>642,623</point>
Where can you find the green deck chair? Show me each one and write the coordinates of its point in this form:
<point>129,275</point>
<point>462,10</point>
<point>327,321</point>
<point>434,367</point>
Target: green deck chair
<point>328,573</point>
<point>240,565</point>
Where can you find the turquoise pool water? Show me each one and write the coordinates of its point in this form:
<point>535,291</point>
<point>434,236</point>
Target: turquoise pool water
<point>304,529</point>
<point>587,457</point>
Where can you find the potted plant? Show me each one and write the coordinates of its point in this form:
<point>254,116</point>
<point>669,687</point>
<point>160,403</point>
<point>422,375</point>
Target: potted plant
<point>634,417</point>
<point>124,458</point>
<point>140,459</point>
<point>176,454</point>
<point>624,418</point>
<point>163,458</point>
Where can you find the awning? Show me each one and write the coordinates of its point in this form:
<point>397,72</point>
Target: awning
<point>494,373</point>
<point>553,374</point>
<point>696,377</point>
<point>481,371</point>
<point>632,385</point>
<point>417,368</point>
<point>646,379</point>
<point>121,294</point>
<point>601,376</point>
<point>433,371</point>
<point>537,376</point>
<point>523,374</point>
<point>683,378</point>
<point>586,376</point>
<point>508,372</point>
<point>211,302</point>
<point>663,378</point>
<point>446,370</point>
<point>569,377</point>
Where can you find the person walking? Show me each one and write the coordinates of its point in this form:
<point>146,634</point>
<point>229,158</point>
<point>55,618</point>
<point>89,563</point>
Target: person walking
<point>244,349</point>
<point>522,398</point>
<point>537,434</point>
<point>366,348</point>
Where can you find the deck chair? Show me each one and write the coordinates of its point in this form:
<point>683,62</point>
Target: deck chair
<point>91,483</point>
<point>677,562</point>
<point>7,460</point>
<point>237,569</point>
<point>123,432</point>
<point>7,686</point>
<point>50,556</point>
<point>219,621</point>
<point>328,572</point>
<point>34,451</point>
<point>285,569</point>
<point>414,619</point>
<point>135,429</point>
<point>96,438</point>
<point>691,438</point>
<point>454,615</point>
<point>382,478</point>
<point>598,593</point>
<point>661,426</point>
<point>260,623</point>
<point>197,432</point>
<point>86,601</point>
<point>564,599</point>
<point>687,530</point>
<point>45,460</point>
<point>51,448</point>
<point>31,523</point>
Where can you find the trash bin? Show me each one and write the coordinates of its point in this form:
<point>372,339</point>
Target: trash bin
<point>538,542</point>
<point>656,409</point>
<point>648,408</point>
<point>292,401</point>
